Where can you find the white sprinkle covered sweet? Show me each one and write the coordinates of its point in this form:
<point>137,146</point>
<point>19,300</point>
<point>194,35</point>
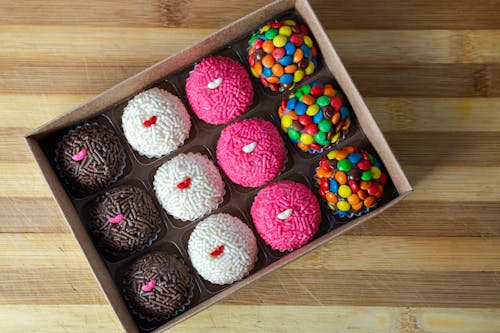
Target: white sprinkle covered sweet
<point>222,249</point>
<point>155,122</point>
<point>189,186</point>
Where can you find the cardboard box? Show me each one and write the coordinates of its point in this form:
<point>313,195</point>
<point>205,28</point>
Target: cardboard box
<point>241,28</point>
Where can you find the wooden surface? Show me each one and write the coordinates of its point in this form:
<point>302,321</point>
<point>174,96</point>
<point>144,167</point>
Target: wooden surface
<point>430,72</point>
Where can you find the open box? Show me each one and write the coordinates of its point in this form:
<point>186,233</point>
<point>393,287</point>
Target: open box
<point>169,74</point>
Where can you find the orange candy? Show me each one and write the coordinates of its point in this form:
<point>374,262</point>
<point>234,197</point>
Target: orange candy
<point>341,177</point>
<point>336,118</point>
<point>331,197</point>
<point>362,194</point>
<point>357,207</point>
<point>328,90</point>
<point>304,148</point>
<point>365,185</point>
<point>349,149</point>
<point>320,173</point>
<point>290,69</point>
<point>314,51</point>
<point>298,55</point>
<point>280,112</point>
<point>273,79</point>
<point>257,68</point>
<point>341,154</point>
<point>346,124</point>
<point>353,199</point>
<point>293,115</point>
<point>268,46</point>
<point>380,192</point>
<point>370,201</point>
<point>277,70</point>
<point>308,99</point>
<point>268,61</point>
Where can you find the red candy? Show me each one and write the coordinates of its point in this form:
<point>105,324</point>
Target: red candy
<point>311,129</point>
<point>305,119</point>
<point>336,103</point>
<point>325,165</point>
<point>283,104</point>
<point>251,60</point>
<point>354,186</point>
<point>315,146</point>
<point>373,189</point>
<point>150,121</point>
<point>184,184</point>
<point>278,53</point>
<point>383,178</point>
<point>317,91</point>
<point>304,29</point>
<point>217,251</point>
<point>324,184</point>
<point>276,25</point>
<point>258,44</point>
<point>364,165</point>
<point>365,156</point>
<point>296,39</point>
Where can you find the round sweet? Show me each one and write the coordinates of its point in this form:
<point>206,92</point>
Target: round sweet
<point>90,157</point>
<point>286,215</point>
<point>222,249</point>
<point>124,218</point>
<point>351,181</point>
<point>251,152</point>
<point>155,123</point>
<point>219,89</point>
<point>157,285</point>
<point>315,117</point>
<point>189,186</point>
<point>282,54</point>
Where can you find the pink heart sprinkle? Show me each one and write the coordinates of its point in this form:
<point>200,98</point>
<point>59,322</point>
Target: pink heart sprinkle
<point>80,156</point>
<point>117,219</point>
<point>149,286</point>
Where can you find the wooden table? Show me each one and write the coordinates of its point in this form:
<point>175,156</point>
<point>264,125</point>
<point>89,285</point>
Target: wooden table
<point>430,72</point>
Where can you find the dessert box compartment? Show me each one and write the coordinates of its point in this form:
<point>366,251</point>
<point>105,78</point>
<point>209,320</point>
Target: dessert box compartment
<point>171,75</point>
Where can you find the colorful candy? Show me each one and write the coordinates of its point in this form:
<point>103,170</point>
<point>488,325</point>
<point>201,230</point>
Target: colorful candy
<point>350,180</point>
<point>287,44</point>
<point>316,116</point>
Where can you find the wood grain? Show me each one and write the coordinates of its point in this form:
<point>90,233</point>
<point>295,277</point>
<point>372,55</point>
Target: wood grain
<point>430,72</point>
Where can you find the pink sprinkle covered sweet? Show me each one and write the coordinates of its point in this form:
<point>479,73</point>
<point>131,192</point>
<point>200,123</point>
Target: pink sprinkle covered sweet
<point>251,152</point>
<point>219,89</point>
<point>286,215</point>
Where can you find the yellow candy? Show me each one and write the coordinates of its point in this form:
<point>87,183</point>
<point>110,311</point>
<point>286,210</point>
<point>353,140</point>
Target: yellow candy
<point>279,40</point>
<point>343,206</point>
<point>331,206</point>
<point>331,155</point>
<point>344,191</point>
<point>253,72</point>
<point>312,109</point>
<point>285,31</point>
<point>308,41</point>
<point>265,28</point>
<point>289,22</point>
<point>310,68</point>
<point>298,76</point>
<point>375,172</point>
<point>335,137</point>
<point>306,139</point>
<point>286,121</point>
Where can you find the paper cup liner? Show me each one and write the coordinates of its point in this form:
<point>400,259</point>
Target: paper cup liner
<point>151,319</point>
<point>72,186</point>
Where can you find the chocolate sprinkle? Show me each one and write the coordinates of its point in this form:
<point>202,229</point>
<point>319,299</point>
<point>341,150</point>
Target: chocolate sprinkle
<point>141,218</point>
<point>104,160</point>
<point>173,284</point>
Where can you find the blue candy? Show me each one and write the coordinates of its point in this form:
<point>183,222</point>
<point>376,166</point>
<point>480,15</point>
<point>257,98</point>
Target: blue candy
<point>300,108</point>
<point>378,165</point>
<point>286,60</point>
<point>290,105</point>
<point>354,157</point>
<point>306,50</point>
<point>315,62</point>
<point>289,48</point>
<point>334,186</point>
<point>317,117</point>
<point>344,113</point>
<point>286,79</point>
<point>316,83</point>
<point>267,71</point>
<point>341,213</point>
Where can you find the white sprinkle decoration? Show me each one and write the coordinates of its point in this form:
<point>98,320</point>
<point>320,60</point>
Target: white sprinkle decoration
<point>249,147</point>
<point>285,214</point>
<point>215,83</point>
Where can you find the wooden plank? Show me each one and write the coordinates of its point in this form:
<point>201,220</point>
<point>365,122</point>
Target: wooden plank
<point>427,80</point>
<point>132,45</point>
<point>392,113</point>
<point>463,14</point>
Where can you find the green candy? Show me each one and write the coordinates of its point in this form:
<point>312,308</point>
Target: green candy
<point>320,138</point>
<point>372,159</point>
<point>325,125</point>
<point>344,165</point>
<point>323,100</point>
<point>305,89</point>
<point>293,134</point>
<point>271,33</point>
<point>366,175</point>
<point>254,37</point>
<point>299,94</point>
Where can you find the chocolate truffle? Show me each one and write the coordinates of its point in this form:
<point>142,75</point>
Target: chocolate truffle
<point>124,219</point>
<point>90,157</point>
<point>157,285</point>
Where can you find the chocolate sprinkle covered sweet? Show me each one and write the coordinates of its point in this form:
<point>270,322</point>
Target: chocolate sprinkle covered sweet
<point>91,157</point>
<point>158,285</point>
<point>124,218</point>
